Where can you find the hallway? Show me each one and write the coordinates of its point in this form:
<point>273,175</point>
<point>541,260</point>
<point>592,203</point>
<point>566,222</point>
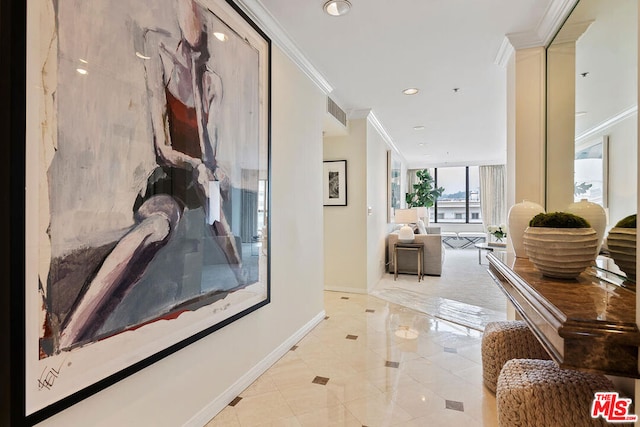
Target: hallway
<point>373,362</point>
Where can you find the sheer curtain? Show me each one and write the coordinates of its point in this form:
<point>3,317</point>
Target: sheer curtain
<point>412,178</point>
<point>493,195</point>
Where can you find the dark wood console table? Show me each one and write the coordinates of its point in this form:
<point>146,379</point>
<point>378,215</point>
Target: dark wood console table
<point>586,323</point>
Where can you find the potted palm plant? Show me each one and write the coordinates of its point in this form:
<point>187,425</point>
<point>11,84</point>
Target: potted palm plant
<point>560,244</point>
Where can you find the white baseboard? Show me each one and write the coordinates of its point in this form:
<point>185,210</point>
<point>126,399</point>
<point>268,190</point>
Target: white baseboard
<point>212,409</point>
<point>345,289</point>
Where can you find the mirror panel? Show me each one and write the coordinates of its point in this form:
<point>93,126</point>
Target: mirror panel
<point>592,96</point>
<point>592,108</point>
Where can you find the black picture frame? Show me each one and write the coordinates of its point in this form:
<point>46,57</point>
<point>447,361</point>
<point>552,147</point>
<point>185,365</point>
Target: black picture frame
<point>17,298</point>
<point>335,183</point>
<point>12,128</point>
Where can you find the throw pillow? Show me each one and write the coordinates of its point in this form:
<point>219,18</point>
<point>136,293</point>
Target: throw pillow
<point>421,228</point>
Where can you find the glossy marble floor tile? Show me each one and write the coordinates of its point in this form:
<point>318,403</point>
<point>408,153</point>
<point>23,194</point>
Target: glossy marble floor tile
<point>371,363</point>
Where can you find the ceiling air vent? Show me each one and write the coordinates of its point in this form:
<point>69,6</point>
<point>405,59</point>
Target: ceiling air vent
<point>336,111</point>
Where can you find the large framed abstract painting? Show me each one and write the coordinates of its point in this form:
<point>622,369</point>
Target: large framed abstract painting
<point>335,183</point>
<point>147,170</point>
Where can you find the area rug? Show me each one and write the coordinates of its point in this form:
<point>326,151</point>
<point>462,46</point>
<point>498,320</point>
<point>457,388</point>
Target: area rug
<point>464,294</point>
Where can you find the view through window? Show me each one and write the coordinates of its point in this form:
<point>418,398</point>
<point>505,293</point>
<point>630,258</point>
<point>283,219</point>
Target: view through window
<point>460,201</point>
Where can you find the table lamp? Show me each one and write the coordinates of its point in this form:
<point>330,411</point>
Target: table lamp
<point>406,217</point>
<point>423,214</point>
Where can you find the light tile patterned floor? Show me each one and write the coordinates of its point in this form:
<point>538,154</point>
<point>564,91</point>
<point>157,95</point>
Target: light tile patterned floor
<point>371,363</point>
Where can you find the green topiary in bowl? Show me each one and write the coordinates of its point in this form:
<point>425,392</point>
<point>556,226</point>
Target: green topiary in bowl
<point>560,244</point>
<point>559,220</point>
<point>627,222</point>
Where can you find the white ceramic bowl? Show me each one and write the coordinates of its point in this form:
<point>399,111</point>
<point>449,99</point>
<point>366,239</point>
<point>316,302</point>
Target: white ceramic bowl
<point>622,247</point>
<point>561,253</point>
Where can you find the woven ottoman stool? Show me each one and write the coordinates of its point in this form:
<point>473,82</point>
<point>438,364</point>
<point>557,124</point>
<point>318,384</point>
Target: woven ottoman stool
<point>503,341</point>
<point>537,393</point>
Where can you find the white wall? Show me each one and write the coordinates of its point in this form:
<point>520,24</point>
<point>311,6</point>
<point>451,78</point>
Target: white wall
<point>345,227</point>
<point>189,386</point>
<point>377,228</point>
<point>623,151</point>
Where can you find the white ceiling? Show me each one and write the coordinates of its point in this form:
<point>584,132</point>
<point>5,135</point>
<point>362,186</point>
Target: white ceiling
<point>382,47</point>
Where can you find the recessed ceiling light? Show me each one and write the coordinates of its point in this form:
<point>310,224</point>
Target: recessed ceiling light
<point>421,144</point>
<point>580,113</point>
<point>418,128</point>
<point>82,71</point>
<point>220,36</point>
<point>410,91</point>
<point>337,7</point>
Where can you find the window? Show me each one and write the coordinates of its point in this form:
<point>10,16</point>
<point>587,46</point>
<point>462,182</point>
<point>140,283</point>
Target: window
<point>473,187</point>
<point>460,201</point>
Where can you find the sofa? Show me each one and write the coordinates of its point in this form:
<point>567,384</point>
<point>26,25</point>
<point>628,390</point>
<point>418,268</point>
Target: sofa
<point>433,254</point>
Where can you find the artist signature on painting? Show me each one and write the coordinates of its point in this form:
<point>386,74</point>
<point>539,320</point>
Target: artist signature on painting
<point>225,307</point>
<point>48,377</point>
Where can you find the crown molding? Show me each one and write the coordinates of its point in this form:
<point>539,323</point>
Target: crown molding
<point>359,114</point>
<point>367,113</point>
<point>255,10</point>
<point>597,129</point>
<point>525,40</point>
<point>373,120</point>
<point>556,13</point>
<point>504,53</point>
<point>570,33</point>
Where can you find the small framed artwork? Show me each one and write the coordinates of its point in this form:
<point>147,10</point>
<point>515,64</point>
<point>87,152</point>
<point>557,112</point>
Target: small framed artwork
<point>335,183</point>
